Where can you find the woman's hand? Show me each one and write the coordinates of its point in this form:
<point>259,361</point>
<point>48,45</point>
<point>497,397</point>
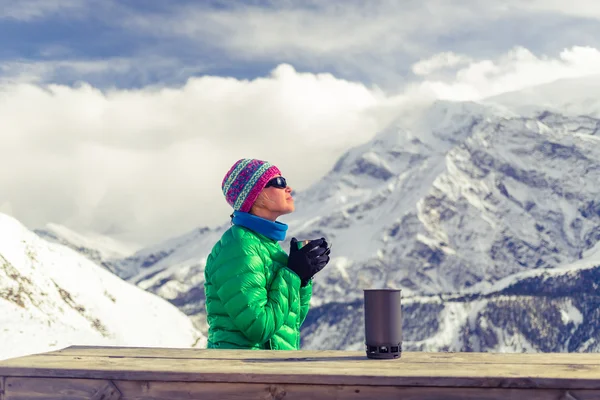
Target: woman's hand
<point>309,260</point>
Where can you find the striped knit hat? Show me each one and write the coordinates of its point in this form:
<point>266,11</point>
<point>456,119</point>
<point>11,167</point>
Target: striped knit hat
<point>245,180</point>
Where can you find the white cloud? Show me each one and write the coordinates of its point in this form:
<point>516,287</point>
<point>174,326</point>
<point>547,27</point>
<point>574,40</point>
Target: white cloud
<point>577,8</point>
<point>439,61</point>
<point>373,42</point>
<point>40,71</point>
<point>106,71</point>
<point>318,27</point>
<point>147,164</point>
<point>26,10</point>
<point>370,40</point>
<point>515,70</point>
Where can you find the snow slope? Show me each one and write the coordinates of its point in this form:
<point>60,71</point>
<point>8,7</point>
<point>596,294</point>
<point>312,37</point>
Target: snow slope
<point>101,249</point>
<point>51,297</point>
<point>572,97</point>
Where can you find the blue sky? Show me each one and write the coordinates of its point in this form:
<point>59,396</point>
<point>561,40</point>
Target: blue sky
<point>124,115</point>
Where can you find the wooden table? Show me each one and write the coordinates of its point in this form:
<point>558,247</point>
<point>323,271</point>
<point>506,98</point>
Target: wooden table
<point>111,373</point>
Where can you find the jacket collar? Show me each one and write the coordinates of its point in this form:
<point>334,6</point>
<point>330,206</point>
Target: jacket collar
<point>273,230</point>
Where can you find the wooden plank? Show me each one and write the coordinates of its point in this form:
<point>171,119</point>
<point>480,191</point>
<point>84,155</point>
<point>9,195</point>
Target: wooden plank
<point>64,389</point>
<point>326,371</point>
<point>193,390</point>
<point>82,389</point>
<point>413,357</point>
<point>581,395</point>
<point>2,379</point>
<point>107,392</point>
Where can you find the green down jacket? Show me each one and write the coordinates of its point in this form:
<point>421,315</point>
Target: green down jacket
<point>253,301</point>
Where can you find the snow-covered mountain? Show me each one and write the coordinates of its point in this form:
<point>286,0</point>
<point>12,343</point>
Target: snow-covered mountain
<point>492,199</point>
<point>449,203</point>
<point>571,96</point>
<point>100,249</point>
<point>553,310</point>
<point>174,270</point>
<point>465,197</point>
<point>51,297</point>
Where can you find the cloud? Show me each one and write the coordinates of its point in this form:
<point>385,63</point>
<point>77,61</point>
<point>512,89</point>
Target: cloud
<point>517,69</point>
<point>374,42</point>
<point>137,71</point>
<point>27,10</point>
<point>377,41</point>
<point>315,27</point>
<point>439,61</point>
<point>579,8</point>
<point>43,71</point>
<point>147,164</point>
<point>365,41</point>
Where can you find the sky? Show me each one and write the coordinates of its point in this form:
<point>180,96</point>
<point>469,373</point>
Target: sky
<point>121,117</point>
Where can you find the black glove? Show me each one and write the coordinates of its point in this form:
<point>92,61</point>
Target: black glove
<point>320,257</point>
<point>308,260</point>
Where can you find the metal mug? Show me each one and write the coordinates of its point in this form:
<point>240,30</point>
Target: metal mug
<point>383,323</point>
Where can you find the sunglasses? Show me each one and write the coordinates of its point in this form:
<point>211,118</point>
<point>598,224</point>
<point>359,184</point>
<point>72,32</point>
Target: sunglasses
<point>279,183</point>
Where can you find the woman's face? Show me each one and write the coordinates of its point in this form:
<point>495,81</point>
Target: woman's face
<point>275,199</point>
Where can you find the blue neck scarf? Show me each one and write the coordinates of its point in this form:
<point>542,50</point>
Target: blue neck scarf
<point>273,230</point>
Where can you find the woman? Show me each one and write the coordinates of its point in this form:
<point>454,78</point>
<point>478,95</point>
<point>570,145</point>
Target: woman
<point>257,296</point>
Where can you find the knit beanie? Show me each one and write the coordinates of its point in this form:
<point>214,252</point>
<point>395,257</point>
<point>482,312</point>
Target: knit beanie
<point>245,180</point>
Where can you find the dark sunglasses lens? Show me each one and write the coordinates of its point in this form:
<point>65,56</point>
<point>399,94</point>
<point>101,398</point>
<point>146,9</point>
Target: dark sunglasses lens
<point>278,182</point>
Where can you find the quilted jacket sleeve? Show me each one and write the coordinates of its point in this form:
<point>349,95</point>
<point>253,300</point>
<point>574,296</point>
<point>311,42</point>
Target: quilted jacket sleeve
<point>305,295</point>
<point>256,311</point>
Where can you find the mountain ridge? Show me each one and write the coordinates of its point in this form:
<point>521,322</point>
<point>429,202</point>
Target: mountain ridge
<point>447,203</point>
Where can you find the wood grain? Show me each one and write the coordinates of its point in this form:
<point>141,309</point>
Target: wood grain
<point>64,389</point>
<point>342,370</point>
<point>193,390</point>
<point>80,389</point>
<point>571,372</point>
<point>581,395</point>
<point>107,392</point>
<point>412,357</point>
